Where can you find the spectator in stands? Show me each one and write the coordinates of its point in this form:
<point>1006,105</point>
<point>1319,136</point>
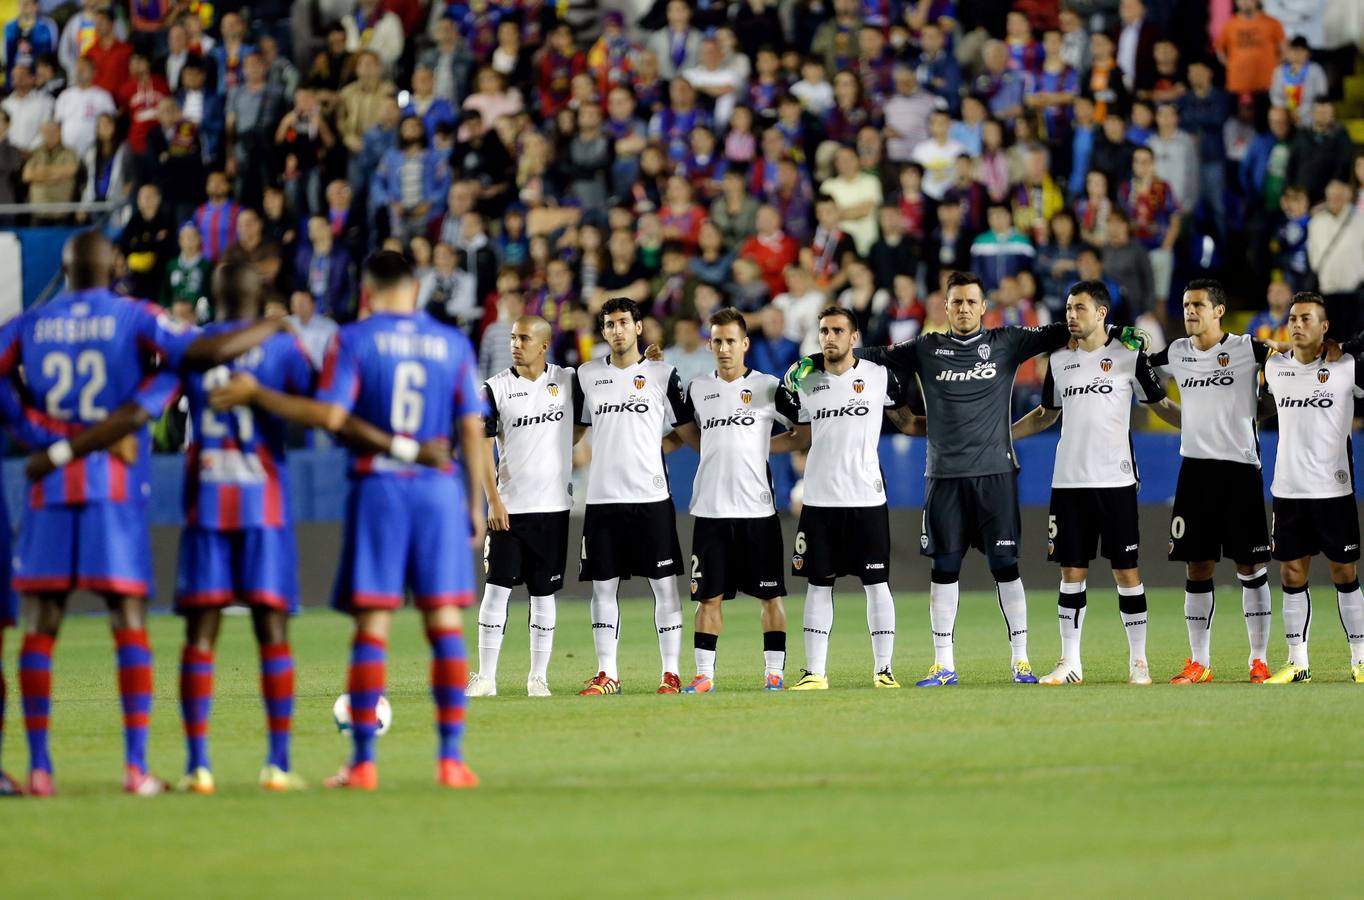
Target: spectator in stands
<point>139,98</point>
<point>216,219</point>
<point>202,107</point>
<point>1001,251</point>
<point>1249,46</point>
<point>1320,153</point>
<point>857,196</point>
<point>147,243</point>
<point>770,350</point>
<point>560,62</point>
<point>253,111</point>
<point>346,219</point>
<point>938,70</point>
<point>176,54</point>
<point>229,56</point>
<point>332,64</point>
<point>50,172</point>
<point>28,36</point>
<point>1104,82</point>
<point>623,276</point>
<point>862,297</point>
<point>280,73</point>
<point>411,182</point>
<point>78,36</point>
<point>677,44</point>
<point>373,29</point>
<point>1037,198</point>
<point>361,103</point>
<point>424,104</point>
<point>894,253</point>
<point>449,292</point>
<point>688,354</point>
<point>1204,110</point>
<point>1136,40</point>
<point>492,98</point>
<point>109,54</point>
<point>450,63</point>
<point>1129,264</point>
<point>718,85</point>
<point>907,114</point>
<point>252,248</point>
<point>800,304</point>
<point>79,107</point>
<point>325,271</point>
<point>11,168</point>
<point>1271,324</point>
<point>1298,82</point>
<point>1265,167</point>
<point>315,331</point>
<point>185,290</point>
<point>1291,240</point>
<point>512,58</point>
<point>494,349</point>
<point>1011,308</point>
<point>1335,235</point>
<point>27,110</point>
<point>1151,208</point>
<point>108,165</point>
<point>1176,157</point>
<point>1056,262</point>
<point>938,156</point>
<point>949,244</point>
<point>174,150</point>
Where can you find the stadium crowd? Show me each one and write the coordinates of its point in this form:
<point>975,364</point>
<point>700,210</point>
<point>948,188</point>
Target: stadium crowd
<point>772,156</point>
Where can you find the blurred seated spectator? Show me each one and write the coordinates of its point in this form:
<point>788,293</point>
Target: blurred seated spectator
<point>186,288</point>
<point>326,271</point>
<point>315,330</point>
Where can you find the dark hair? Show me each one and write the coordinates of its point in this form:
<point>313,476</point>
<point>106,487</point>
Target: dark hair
<point>829,311</point>
<point>672,245</point>
<point>237,287</point>
<point>617,305</point>
<point>964,279</point>
<point>1211,287</point>
<point>728,316</point>
<point>1310,297</point>
<point>387,269</point>
<point>1096,290</point>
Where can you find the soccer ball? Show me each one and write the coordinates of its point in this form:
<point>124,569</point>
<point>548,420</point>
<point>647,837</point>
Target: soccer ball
<point>341,714</point>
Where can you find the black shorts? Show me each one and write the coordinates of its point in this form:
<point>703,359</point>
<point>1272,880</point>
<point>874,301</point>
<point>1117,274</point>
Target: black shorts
<point>532,552</point>
<point>1328,526</point>
<point>1085,522</point>
<point>624,539</point>
<point>1219,511</point>
<point>845,540</point>
<point>980,511</point>
<point>733,555</point>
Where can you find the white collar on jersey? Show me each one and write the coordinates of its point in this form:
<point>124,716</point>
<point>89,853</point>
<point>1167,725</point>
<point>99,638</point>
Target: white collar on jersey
<point>980,333</point>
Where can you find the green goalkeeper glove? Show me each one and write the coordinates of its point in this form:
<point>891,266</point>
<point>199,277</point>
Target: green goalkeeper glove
<point>1134,338</point>
<point>798,372</point>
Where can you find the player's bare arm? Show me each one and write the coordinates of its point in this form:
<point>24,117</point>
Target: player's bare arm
<point>498,518</point>
<point>797,440</point>
<point>685,435</point>
<point>1168,412</point>
<point>1035,422</point>
<point>219,349</point>
<point>907,422</point>
<point>116,433</point>
<point>478,457</point>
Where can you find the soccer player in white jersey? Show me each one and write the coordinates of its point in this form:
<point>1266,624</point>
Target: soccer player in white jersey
<point>737,541</point>
<point>844,524</point>
<point>1219,498</point>
<point>1094,482</point>
<point>530,492</point>
<point>1313,487</point>
<point>630,527</point>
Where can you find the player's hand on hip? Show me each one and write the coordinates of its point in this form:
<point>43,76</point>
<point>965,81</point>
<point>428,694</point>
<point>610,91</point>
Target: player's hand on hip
<point>239,391</point>
<point>434,453</point>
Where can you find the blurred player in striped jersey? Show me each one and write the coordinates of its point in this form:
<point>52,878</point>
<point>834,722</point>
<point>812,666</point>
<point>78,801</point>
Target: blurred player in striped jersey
<point>84,355</point>
<point>407,528</point>
<point>530,492</point>
<point>737,541</point>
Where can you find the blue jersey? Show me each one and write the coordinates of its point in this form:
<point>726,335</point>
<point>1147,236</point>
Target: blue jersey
<point>235,473</point>
<point>407,374</point>
<point>85,354</point>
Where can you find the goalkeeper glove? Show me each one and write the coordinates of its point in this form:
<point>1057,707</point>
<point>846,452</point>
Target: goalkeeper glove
<point>1134,338</point>
<point>798,372</point>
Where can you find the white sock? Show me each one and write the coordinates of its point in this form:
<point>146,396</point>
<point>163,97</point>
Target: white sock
<point>1297,622</point>
<point>774,652</point>
<point>1255,603</point>
<point>542,618</point>
<point>1199,603</point>
<point>1351,604</point>
<point>606,625</point>
<point>705,662</point>
<point>881,624</point>
<point>1070,611</point>
<point>819,621</point>
<point>668,621</point>
<point>1013,603</point>
<point>492,626</point>
<point>942,616</point>
<point>1132,608</point>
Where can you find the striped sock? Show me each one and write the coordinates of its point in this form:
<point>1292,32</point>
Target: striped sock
<point>449,677</point>
<point>277,687</point>
<point>366,686</point>
<point>35,684</point>
<point>196,699</point>
<point>135,691</point>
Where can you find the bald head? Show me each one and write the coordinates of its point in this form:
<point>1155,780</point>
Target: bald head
<point>236,291</point>
<point>88,260</point>
<point>530,337</point>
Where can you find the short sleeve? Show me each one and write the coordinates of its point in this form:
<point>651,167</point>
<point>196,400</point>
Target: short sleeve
<point>11,345</point>
<point>24,424</point>
<point>1160,360</point>
<point>468,400</point>
<point>788,405</point>
<point>1049,390</point>
<point>300,378</point>
<point>1359,377</point>
<point>682,412</point>
<point>490,419</point>
<point>1025,343</point>
<point>582,414</point>
<point>1147,386</point>
<point>1262,350</point>
<point>340,381</point>
<point>688,405</point>
<point>897,391</point>
<point>158,391</point>
<point>164,335</point>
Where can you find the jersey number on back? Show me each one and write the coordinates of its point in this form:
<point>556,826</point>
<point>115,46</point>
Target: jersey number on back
<point>408,403</point>
<point>63,371</point>
<point>212,426</point>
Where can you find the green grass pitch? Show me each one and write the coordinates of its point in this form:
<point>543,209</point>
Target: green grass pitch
<point>986,789</point>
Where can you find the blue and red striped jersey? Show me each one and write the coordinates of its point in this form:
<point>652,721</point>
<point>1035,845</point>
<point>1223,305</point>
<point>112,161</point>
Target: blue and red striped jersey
<point>217,227</point>
<point>235,471</point>
<point>407,374</point>
<point>85,354</point>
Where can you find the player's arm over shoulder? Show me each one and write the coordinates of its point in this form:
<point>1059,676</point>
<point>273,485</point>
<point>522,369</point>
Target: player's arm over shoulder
<point>1030,340</point>
<point>901,358</point>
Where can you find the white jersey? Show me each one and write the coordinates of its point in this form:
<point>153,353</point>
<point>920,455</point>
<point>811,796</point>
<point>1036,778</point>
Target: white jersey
<point>1094,391</point>
<point>629,410</point>
<point>533,424</point>
<point>735,419</point>
<point>1218,392</point>
<point>1315,403</point>
<point>844,413</point>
